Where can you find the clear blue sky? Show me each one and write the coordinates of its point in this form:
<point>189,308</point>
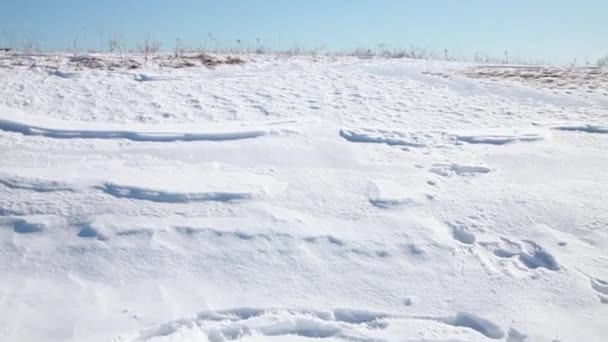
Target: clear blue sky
<point>555,30</point>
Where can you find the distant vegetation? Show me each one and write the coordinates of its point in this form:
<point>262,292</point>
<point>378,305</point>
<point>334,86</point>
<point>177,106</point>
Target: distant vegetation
<point>150,47</point>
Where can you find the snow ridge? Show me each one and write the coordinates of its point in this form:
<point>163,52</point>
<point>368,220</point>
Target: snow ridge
<point>30,130</point>
<point>343,324</point>
<point>153,195</point>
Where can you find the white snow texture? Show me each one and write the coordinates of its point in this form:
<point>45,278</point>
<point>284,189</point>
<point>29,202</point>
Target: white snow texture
<point>298,199</point>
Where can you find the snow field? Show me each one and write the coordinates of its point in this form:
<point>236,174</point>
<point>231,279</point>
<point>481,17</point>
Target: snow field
<point>291,199</point>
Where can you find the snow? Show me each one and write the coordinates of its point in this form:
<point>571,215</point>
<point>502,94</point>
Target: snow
<point>296,199</point>
<point>387,194</point>
<point>66,130</point>
<point>588,128</point>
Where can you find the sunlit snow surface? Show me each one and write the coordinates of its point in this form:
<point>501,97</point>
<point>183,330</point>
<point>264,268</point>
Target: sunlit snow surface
<point>291,199</point>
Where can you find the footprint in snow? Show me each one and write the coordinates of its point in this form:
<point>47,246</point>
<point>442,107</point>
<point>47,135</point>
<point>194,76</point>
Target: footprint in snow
<point>601,288</point>
<point>529,253</point>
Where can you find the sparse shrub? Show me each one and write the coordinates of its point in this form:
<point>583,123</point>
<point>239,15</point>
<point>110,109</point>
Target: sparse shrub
<point>208,60</point>
<point>31,45</point>
<point>180,48</point>
<point>149,47</point>
<point>211,61</point>
<point>113,45</point>
<point>363,53</point>
<point>259,49</point>
<point>89,62</point>
<point>602,62</point>
<point>233,60</point>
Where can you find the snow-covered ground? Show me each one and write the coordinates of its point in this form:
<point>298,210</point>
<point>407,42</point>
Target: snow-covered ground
<point>289,199</point>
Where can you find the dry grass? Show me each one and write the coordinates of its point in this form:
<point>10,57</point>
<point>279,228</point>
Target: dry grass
<point>116,61</point>
<point>585,80</point>
<point>577,81</point>
<point>211,61</point>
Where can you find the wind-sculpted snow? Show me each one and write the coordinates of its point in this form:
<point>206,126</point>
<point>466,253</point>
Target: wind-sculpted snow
<point>448,170</point>
<point>241,323</point>
<point>30,130</point>
<point>436,139</point>
<point>22,226</point>
<point>388,194</point>
<point>310,325</point>
<point>586,128</point>
<point>34,184</point>
<point>153,195</point>
<point>150,78</point>
<point>62,74</point>
<point>300,199</point>
<point>498,139</point>
<point>175,194</point>
<point>381,136</point>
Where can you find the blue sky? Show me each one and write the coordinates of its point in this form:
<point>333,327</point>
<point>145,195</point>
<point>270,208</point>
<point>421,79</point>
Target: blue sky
<point>554,30</point>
